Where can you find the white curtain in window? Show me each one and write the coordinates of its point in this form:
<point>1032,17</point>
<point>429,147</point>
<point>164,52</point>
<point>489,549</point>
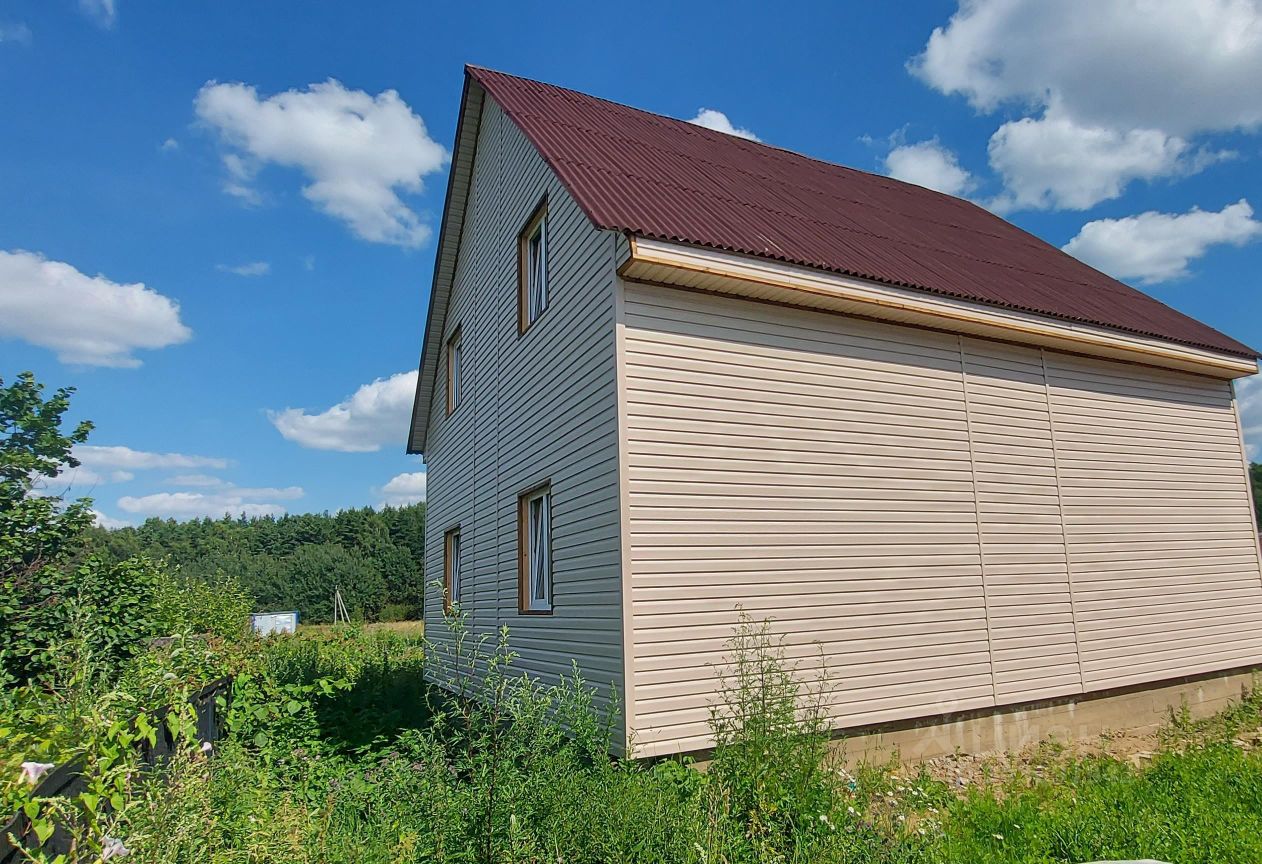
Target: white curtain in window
<point>540,565</point>
<point>539,272</point>
<point>455,568</point>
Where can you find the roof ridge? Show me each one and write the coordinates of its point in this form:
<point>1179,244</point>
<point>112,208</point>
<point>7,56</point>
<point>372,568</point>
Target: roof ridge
<point>693,128</point>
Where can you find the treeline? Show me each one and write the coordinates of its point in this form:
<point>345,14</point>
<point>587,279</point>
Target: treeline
<point>376,558</point>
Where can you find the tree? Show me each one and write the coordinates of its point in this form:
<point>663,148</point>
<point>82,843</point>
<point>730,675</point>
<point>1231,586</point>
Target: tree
<point>36,530</point>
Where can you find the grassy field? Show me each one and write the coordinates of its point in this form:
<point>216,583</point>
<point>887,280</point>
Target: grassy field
<point>404,628</point>
<point>339,751</point>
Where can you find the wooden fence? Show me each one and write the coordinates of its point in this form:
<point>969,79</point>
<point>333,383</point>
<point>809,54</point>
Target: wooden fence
<point>67,781</point>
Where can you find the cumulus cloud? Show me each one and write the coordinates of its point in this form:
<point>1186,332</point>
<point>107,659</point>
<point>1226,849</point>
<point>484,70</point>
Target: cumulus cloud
<point>404,489</point>
<point>169,145</point>
<point>253,268</point>
<point>103,12</point>
<point>1055,163</point>
<point>1156,247</point>
<point>377,413</point>
<point>109,522</point>
<point>84,319</point>
<point>230,501</point>
<point>1115,89</point>
<point>94,456</point>
<point>358,151</point>
<point>929,164</point>
<point>717,120</point>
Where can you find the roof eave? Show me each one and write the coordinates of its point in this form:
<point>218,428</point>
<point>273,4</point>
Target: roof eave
<point>459,180</point>
<point>708,269</point>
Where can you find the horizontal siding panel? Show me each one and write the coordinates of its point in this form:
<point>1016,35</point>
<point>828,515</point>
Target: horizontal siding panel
<point>945,523</point>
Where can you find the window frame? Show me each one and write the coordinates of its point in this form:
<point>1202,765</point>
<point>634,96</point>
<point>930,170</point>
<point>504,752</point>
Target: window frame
<point>453,578</point>
<point>526,603</point>
<point>536,224</point>
<point>455,362</point>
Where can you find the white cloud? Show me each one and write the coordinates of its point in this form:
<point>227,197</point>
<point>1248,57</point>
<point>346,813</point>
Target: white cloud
<point>103,12</point>
<point>253,268</point>
<point>1249,403</point>
<point>18,32</point>
<point>169,145</point>
<point>929,164</point>
<point>94,456</point>
<point>1054,163</point>
<point>1155,247</point>
<point>86,477</point>
<point>376,414</point>
<point>1115,89</point>
<point>194,480</point>
<point>230,500</point>
<point>717,120</point>
<point>357,151</point>
<point>84,319</point>
<point>404,489</point>
<point>109,522</point>
<point>1169,64</point>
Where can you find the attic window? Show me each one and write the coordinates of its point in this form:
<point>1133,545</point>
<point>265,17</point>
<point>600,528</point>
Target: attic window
<point>532,262</point>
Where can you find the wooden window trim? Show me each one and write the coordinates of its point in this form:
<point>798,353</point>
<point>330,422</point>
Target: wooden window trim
<point>453,398</point>
<point>537,216</point>
<point>523,551</point>
<point>451,538</point>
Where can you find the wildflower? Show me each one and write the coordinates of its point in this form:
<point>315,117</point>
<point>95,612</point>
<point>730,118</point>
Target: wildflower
<point>113,848</point>
<point>902,818</point>
<point>850,810</point>
<point>32,771</point>
<point>920,831</point>
<point>207,747</point>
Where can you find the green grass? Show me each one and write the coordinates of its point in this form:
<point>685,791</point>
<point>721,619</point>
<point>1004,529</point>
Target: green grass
<point>341,752</point>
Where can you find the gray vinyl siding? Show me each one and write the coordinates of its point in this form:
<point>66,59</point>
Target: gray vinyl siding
<point>956,523</point>
<point>537,406</point>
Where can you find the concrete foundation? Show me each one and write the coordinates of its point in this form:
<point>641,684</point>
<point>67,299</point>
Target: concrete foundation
<point>1136,709</point>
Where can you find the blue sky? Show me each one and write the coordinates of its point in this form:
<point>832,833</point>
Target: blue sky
<point>270,174</point>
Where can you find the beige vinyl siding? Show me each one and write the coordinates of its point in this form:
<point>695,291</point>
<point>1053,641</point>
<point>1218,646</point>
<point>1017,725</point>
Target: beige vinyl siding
<point>536,406</point>
<point>808,468</point>
<point>1024,559</point>
<point>1158,519</point>
<point>923,507</point>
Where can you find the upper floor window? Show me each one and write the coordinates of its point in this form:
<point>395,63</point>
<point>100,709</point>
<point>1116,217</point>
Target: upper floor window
<point>532,260</point>
<point>455,370</point>
<point>451,569</point>
<point>534,542</point>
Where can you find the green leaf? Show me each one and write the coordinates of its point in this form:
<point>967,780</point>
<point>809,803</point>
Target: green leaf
<point>43,829</point>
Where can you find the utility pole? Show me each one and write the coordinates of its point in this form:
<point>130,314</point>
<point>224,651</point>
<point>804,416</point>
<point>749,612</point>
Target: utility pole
<point>340,615</point>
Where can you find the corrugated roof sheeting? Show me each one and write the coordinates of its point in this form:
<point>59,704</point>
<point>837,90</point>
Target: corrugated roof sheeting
<point>666,179</point>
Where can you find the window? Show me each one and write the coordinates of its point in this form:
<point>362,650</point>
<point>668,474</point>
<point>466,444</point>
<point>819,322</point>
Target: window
<point>451,569</point>
<point>455,371</point>
<point>532,262</point>
<point>534,543</point>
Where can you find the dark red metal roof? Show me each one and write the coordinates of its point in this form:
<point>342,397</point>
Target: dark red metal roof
<point>667,179</point>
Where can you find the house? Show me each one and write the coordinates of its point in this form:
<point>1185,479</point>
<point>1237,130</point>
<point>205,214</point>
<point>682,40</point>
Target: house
<point>669,374</point>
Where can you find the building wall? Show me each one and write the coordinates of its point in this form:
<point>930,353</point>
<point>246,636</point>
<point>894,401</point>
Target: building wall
<point>539,406</point>
<point>953,524</point>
